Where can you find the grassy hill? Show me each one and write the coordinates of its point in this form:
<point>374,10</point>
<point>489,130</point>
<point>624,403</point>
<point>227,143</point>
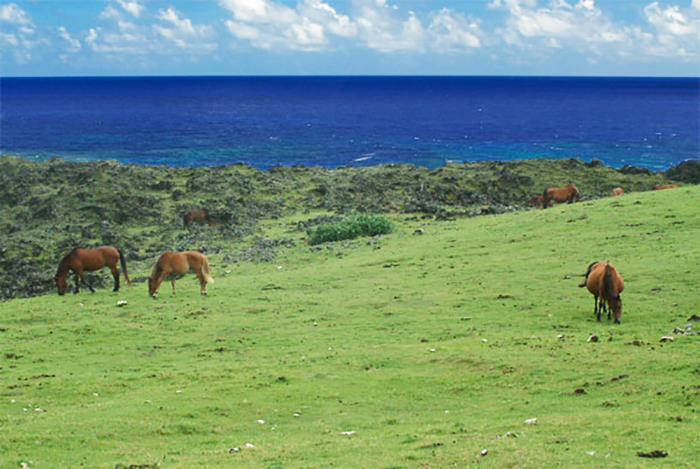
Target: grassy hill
<point>421,348</point>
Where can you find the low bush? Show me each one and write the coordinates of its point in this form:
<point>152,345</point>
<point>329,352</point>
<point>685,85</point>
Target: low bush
<point>350,228</point>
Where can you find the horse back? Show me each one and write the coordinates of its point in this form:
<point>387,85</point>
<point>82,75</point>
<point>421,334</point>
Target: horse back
<point>195,259</point>
<point>94,259</point>
<point>594,282</point>
<point>173,262</point>
<point>617,280</point>
<point>596,279</point>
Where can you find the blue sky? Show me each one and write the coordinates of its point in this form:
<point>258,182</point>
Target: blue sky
<point>350,37</point>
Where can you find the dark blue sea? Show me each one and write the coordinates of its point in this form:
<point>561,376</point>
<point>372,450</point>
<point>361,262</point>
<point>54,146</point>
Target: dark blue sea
<point>360,121</point>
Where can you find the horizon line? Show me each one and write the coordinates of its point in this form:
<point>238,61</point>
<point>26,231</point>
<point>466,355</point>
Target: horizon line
<point>352,76</point>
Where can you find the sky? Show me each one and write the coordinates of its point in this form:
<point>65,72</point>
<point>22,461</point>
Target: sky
<point>350,37</point>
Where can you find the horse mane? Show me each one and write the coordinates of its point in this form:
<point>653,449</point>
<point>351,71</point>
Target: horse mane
<point>154,271</point>
<point>64,264</point>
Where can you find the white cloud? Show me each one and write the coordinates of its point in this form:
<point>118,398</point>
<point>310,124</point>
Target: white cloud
<point>453,32</point>
<point>73,44</point>
<point>677,31</point>
<point>671,31</point>
<point>242,31</point>
<point>133,7</point>
<point>183,33</point>
<point>127,40</point>
<point>324,14</point>
<point>579,24</point>
<point>383,29</point>
<point>18,34</point>
<point>671,20</point>
<point>259,11</point>
<point>13,14</point>
<point>267,24</point>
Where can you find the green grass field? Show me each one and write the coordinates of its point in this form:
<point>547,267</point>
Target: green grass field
<point>416,349</point>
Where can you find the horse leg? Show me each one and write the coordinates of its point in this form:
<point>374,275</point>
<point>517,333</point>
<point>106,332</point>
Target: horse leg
<point>77,283</point>
<point>598,308</point>
<point>115,274</point>
<point>159,281</point>
<point>172,281</point>
<point>202,281</point>
<point>82,279</point>
<point>604,306</point>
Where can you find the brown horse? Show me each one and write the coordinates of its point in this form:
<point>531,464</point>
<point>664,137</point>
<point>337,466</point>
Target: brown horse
<point>606,284</point>
<point>568,193</point>
<point>174,265</point>
<point>617,191</point>
<point>538,200</point>
<point>81,260</point>
<point>665,186</point>
<point>200,215</point>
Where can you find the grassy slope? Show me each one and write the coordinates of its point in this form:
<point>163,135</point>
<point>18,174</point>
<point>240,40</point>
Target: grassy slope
<point>405,342</point>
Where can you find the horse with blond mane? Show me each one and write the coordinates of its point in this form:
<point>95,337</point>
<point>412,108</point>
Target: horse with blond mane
<point>174,265</point>
<point>606,284</point>
<point>568,193</point>
<point>81,260</point>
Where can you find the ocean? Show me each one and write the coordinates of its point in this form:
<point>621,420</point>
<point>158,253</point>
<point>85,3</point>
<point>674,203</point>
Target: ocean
<point>358,121</point>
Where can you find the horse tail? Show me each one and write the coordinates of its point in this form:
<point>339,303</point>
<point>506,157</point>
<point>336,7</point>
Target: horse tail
<point>608,283</point>
<point>122,260</point>
<point>588,272</point>
<point>205,270</point>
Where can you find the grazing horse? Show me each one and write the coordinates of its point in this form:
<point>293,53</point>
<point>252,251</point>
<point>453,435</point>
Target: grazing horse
<point>568,193</point>
<point>174,265</point>
<point>198,214</point>
<point>665,186</point>
<point>617,191</point>
<point>81,260</point>
<point>606,284</point>
<point>538,200</point>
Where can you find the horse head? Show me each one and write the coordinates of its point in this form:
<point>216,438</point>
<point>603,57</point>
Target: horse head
<point>576,195</point>
<point>616,305</point>
<point>61,284</point>
<point>153,287</point>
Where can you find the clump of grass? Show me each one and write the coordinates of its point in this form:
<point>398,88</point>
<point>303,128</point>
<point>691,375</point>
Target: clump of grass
<point>350,228</point>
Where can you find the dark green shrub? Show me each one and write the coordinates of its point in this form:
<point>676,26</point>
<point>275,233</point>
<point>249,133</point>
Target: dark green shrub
<point>351,228</point>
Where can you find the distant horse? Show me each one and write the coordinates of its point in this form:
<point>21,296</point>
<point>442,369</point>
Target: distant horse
<point>198,214</point>
<point>81,260</point>
<point>665,186</point>
<point>538,200</point>
<point>568,193</point>
<point>174,265</point>
<point>606,284</point>
<point>617,191</point>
